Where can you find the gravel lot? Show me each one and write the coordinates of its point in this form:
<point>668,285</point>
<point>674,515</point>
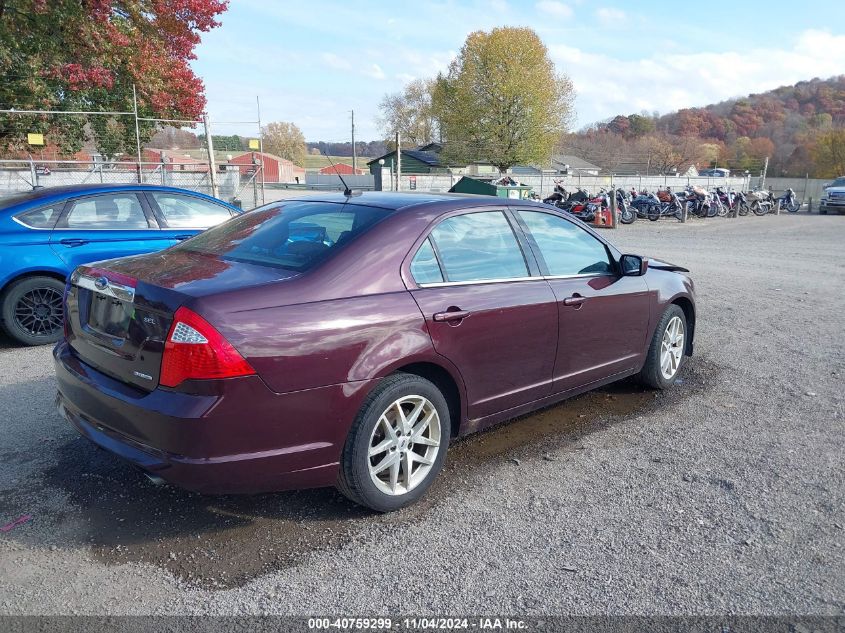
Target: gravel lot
<point>725,495</point>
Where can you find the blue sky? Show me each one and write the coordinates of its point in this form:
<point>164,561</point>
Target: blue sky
<point>312,62</point>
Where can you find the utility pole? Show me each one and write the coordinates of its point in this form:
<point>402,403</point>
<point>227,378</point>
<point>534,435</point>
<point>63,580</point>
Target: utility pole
<point>211,166</point>
<point>354,153</point>
<point>260,147</point>
<point>398,160</point>
<point>765,169</point>
<point>137,131</point>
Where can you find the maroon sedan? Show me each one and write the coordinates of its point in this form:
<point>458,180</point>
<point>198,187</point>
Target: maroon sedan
<point>345,340</point>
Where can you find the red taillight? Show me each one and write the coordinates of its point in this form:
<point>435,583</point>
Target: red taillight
<point>194,350</point>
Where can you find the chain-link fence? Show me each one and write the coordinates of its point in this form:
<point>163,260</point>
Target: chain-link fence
<point>175,156</point>
<point>233,185</point>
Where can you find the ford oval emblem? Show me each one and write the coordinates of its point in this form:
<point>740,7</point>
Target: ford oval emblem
<point>101,283</point>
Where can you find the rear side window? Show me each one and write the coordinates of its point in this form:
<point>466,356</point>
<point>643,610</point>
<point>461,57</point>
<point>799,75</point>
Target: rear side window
<point>295,235</point>
<point>567,249</point>
<point>42,218</point>
<point>110,211</point>
<point>189,212</point>
<point>424,266</point>
<point>479,246</point>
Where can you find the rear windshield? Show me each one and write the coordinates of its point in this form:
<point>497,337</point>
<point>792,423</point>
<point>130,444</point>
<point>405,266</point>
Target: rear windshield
<point>292,235</point>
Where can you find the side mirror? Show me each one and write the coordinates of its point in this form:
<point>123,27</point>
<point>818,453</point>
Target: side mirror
<point>633,265</point>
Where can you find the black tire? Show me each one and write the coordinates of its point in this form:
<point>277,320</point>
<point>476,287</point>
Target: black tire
<point>759,209</point>
<point>354,480</point>
<point>651,375</point>
<point>32,310</point>
<point>627,216</point>
<point>653,214</point>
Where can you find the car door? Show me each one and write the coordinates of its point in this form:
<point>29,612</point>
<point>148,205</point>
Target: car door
<point>104,226</point>
<point>182,215</point>
<point>485,310</point>
<point>603,316</point>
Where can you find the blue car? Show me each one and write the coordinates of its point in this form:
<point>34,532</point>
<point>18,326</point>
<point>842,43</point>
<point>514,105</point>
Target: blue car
<point>45,234</point>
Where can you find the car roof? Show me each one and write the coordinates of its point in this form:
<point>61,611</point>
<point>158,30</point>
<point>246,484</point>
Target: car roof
<point>48,194</point>
<point>406,201</point>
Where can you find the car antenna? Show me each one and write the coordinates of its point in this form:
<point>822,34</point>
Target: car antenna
<point>346,190</point>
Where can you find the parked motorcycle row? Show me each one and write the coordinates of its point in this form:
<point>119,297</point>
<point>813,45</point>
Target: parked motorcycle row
<point>666,203</point>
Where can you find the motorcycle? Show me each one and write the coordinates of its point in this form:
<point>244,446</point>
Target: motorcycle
<point>740,203</point>
<point>761,201</point>
<point>697,202</point>
<point>643,203</point>
<point>558,195</point>
<point>586,210</point>
<point>788,201</point>
<point>627,213</point>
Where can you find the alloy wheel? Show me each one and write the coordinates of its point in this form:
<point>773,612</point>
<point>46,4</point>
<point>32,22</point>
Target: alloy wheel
<point>672,347</point>
<point>39,312</point>
<point>404,445</point>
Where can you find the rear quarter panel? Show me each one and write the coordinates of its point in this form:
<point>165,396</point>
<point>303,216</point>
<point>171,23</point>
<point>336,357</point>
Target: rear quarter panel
<point>310,345</point>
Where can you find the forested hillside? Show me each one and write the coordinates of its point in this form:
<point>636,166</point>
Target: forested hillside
<point>801,129</point>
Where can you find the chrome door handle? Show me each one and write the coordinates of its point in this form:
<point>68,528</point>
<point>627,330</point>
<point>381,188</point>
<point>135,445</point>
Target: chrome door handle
<point>574,300</point>
<point>451,315</point>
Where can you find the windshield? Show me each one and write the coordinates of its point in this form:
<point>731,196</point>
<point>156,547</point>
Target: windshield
<point>292,235</point>
<point>839,182</point>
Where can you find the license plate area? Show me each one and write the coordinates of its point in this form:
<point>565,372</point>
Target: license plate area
<point>109,316</point>
<point>106,307</point>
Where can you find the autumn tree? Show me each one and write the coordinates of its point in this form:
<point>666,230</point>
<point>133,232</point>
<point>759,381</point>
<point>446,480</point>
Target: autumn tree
<point>87,55</point>
<point>410,113</point>
<point>829,154</point>
<point>285,140</point>
<point>502,100</point>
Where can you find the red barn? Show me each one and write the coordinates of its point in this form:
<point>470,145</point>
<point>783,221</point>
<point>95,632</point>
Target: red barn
<point>276,168</point>
<point>344,169</point>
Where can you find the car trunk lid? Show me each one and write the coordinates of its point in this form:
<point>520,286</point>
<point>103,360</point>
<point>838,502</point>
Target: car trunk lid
<point>118,325</point>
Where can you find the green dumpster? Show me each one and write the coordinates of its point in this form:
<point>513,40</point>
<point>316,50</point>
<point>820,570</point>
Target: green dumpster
<point>503,187</point>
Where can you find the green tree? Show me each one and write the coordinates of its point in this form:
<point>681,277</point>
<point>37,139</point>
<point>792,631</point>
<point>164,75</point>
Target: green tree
<point>503,100</point>
<point>86,55</point>
<point>285,140</point>
<point>639,125</point>
<point>410,113</point>
<point>829,154</point>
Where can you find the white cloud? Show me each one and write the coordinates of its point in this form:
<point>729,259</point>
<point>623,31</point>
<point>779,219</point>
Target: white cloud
<point>554,8</point>
<point>375,72</point>
<point>608,86</point>
<point>610,16</point>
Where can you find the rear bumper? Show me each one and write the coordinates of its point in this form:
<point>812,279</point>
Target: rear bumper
<point>231,436</point>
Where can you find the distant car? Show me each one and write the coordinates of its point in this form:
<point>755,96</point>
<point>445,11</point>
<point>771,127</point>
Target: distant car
<point>46,233</point>
<point>715,173</point>
<point>344,341</point>
<point>833,199</point>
